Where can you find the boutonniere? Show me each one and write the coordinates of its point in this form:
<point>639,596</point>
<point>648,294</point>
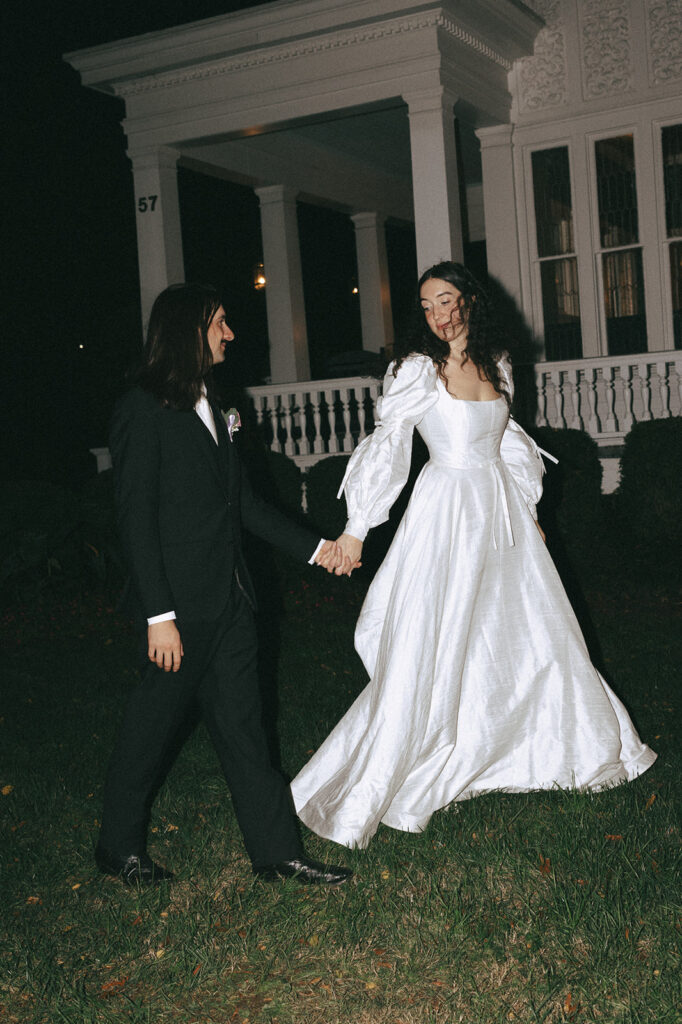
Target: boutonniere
<point>233,420</point>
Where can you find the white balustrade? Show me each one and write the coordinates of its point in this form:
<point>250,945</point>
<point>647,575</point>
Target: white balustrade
<point>310,420</point>
<point>606,395</point>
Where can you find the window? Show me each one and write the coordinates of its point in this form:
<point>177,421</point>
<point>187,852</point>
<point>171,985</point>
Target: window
<point>556,253</point>
<point>672,179</point>
<point>621,254</point>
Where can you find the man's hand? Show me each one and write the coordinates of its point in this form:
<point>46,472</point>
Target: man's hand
<point>165,646</point>
<point>351,549</point>
<point>329,556</point>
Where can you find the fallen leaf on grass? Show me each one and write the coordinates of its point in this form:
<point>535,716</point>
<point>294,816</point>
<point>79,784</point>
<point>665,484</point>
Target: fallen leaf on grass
<point>6,790</point>
<point>197,969</point>
<point>115,985</point>
<point>570,1008</point>
<point>314,940</point>
<point>34,899</point>
<point>370,984</point>
<point>647,805</point>
<point>613,838</point>
<point>545,865</point>
<point>138,920</point>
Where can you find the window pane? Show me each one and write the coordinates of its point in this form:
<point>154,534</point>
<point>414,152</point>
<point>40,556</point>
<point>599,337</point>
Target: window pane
<point>616,191</point>
<point>561,309</point>
<point>624,302</point>
<point>672,176</point>
<point>676,281</point>
<point>552,193</point>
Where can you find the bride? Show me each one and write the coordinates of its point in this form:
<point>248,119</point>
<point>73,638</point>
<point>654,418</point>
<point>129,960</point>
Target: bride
<point>479,675</point>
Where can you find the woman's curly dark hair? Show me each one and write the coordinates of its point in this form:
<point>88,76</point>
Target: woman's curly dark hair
<point>485,344</point>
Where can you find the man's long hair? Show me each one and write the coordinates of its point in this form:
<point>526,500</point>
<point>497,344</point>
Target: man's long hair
<point>485,342</point>
<point>176,356</point>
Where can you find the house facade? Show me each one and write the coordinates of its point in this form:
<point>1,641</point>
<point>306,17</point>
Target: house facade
<point>550,130</point>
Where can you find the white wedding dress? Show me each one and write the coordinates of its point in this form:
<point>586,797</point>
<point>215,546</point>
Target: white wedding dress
<point>479,675</point>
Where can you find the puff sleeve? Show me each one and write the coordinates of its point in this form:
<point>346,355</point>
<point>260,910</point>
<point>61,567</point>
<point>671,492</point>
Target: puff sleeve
<point>378,468</point>
<point>520,454</point>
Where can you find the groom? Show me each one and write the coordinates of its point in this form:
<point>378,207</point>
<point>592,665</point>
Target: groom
<point>181,498</point>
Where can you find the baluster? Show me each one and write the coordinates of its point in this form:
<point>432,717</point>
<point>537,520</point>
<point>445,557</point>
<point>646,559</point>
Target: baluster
<point>592,395</point>
<point>375,395</point>
<point>289,444</point>
<point>362,413</point>
<point>573,384</point>
<point>318,441</point>
<point>347,443</point>
<point>303,442</point>
<point>331,405</point>
<point>609,394</point>
<point>626,374</point>
<point>260,406</point>
<point>662,371</point>
<point>644,376</point>
<point>541,383</point>
<point>558,398</point>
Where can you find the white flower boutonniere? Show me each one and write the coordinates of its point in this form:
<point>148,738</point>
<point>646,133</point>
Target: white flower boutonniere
<point>233,420</point>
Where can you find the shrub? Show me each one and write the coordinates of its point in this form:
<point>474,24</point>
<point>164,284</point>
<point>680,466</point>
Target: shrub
<point>572,489</point>
<point>649,495</point>
<point>323,480</point>
<point>39,537</point>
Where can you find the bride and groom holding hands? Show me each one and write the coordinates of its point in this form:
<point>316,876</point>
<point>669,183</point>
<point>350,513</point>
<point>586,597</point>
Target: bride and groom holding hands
<point>479,675</point>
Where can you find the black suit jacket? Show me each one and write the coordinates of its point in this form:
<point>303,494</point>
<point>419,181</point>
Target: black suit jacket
<point>181,500</point>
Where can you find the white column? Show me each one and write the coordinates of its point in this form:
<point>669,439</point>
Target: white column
<point>499,208</point>
<point>159,237</point>
<point>284,285</point>
<point>435,183</point>
<point>376,315</point>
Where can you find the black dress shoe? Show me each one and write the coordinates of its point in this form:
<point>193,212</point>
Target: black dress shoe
<point>137,869</point>
<point>308,872</point>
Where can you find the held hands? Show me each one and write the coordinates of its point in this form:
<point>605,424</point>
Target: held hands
<point>351,548</point>
<point>333,557</point>
<point>164,645</point>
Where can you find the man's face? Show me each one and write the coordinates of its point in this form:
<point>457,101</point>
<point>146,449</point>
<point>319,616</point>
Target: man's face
<point>218,336</point>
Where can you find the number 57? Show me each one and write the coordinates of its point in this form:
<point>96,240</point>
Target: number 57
<point>146,203</point>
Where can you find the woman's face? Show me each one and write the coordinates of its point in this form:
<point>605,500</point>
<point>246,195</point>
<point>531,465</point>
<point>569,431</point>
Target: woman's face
<point>218,335</point>
<point>442,305</point>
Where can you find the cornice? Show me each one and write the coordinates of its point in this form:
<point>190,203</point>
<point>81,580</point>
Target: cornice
<point>279,54</point>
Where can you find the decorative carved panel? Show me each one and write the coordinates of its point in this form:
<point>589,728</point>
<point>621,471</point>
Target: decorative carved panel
<point>542,77</point>
<point>665,40</point>
<point>607,65</point>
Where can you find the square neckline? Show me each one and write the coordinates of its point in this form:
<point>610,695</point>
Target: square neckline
<point>472,401</point>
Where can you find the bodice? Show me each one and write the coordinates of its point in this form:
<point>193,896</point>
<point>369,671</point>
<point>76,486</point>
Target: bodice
<point>462,433</point>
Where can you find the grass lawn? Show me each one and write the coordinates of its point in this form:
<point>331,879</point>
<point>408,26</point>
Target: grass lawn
<point>545,907</point>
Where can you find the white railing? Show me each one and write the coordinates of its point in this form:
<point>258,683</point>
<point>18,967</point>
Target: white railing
<point>312,419</point>
<point>604,396</point>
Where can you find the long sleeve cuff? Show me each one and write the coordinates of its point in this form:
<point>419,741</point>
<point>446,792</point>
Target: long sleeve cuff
<point>357,528</point>
<point>166,617</point>
<point>311,561</point>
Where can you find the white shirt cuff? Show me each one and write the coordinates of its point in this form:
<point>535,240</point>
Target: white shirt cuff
<point>311,561</point>
<point>166,617</point>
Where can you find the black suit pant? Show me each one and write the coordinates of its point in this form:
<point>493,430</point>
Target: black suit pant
<point>219,670</point>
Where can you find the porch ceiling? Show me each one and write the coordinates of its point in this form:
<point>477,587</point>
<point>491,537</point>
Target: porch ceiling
<point>311,93</point>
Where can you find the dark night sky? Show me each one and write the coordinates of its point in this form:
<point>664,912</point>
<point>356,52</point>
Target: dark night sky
<point>70,267</point>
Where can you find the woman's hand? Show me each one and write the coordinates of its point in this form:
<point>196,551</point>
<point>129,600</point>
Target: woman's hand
<point>351,548</point>
<point>541,531</point>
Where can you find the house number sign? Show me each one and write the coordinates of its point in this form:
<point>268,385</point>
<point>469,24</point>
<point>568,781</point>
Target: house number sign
<point>146,204</point>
